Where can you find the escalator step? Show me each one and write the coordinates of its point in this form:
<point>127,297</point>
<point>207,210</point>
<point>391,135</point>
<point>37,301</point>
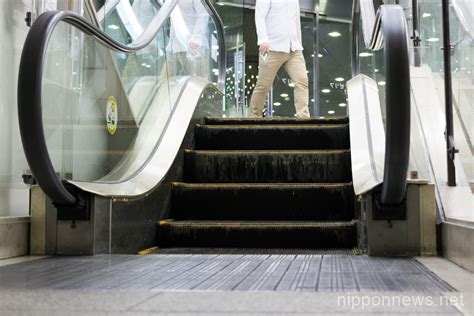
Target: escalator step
<point>281,201</point>
<point>242,137</point>
<point>277,121</point>
<point>264,166</point>
<point>257,234</point>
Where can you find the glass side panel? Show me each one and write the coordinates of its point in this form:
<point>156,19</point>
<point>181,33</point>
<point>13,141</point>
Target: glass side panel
<point>104,111</point>
<point>232,15</point>
<point>14,194</point>
<point>334,67</point>
<point>371,64</point>
<point>462,66</point>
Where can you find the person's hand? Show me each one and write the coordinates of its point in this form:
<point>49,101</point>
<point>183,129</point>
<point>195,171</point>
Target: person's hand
<point>264,48</point>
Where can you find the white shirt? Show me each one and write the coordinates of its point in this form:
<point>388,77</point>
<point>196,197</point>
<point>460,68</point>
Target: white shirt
<point>278,23</point>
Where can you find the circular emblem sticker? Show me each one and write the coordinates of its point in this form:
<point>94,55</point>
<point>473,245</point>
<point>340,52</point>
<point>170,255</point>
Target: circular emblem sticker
<point>112,115</point>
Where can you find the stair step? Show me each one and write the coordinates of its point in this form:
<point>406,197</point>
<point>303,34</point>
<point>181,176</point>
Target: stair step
<point>257,234</point>
<point>280,201</point>
<point>267,166</point>
<point>277,121</point>
<point>245,137</point>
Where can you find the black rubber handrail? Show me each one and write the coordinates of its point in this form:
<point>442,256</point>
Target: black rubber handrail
<point>390,33</point>
<point>30,83</point>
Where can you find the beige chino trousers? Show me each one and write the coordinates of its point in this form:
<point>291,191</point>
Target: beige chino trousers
<point>294,64</point>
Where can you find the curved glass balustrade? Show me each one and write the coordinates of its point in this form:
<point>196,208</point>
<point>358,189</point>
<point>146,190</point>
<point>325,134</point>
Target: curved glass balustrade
<point>105,112</point>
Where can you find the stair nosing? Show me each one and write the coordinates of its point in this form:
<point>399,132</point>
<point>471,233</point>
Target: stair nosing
<point>260,224</point>
<point>267,151</point>
<point>273,126</point>
<point>262,185</point>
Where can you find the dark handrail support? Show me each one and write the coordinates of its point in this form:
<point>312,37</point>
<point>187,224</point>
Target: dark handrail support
<point>391,23</point>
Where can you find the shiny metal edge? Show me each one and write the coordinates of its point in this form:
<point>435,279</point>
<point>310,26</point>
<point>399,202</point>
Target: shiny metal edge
<point>154,172</point>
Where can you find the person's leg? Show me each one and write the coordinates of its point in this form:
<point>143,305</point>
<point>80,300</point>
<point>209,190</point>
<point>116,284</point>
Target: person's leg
<point>296,69</point>
<point>267,71</point>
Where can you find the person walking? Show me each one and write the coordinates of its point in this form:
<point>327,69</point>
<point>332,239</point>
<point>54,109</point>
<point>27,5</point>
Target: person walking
<point>280,45</point>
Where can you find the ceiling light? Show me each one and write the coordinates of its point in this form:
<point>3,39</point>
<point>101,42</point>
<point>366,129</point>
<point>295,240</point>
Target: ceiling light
<point>277,104</point>
<point>291,84</point>
<point>284,95</point>
<point>334,34</point>
<point>381,83</point>
<point>325,91</point>
<point>339,79</point>
<point>426,15</point>
<point>342,105</point>
<point>433,39</point>
<point>331,112</point>
<point>365,54</point>
<point>113,27</point>
<point>320,55</point>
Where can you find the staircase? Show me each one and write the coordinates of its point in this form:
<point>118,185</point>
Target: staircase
<point>264,183</point>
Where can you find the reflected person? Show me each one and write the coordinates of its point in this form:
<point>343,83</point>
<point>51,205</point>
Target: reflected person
<point>280,45</point>
<point>189,36</point>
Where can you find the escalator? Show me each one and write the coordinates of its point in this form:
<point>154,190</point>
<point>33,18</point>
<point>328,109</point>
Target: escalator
<point>128,139</point>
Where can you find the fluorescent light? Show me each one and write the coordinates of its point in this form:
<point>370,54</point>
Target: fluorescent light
<point>325,91</point>
<point>381,83</point>
<point>277,104</point>
<point>334,34</point>
<point>426,15</point>
<point>342,105</point>
<point>113,27</point>
<point>331,112</point>
<point>365,54</point>
<point>433,39</point>
<point>339,79</point>
<point>284,95</point>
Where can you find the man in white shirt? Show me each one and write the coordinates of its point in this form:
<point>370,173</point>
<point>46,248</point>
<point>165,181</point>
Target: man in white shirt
<point>279,37</point>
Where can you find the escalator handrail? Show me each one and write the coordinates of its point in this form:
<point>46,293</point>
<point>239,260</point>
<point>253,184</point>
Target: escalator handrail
<point>390,32</point>
<point>30,82</point>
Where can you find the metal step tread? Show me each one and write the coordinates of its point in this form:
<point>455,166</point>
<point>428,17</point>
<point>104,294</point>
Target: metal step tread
<point>258,224</point>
